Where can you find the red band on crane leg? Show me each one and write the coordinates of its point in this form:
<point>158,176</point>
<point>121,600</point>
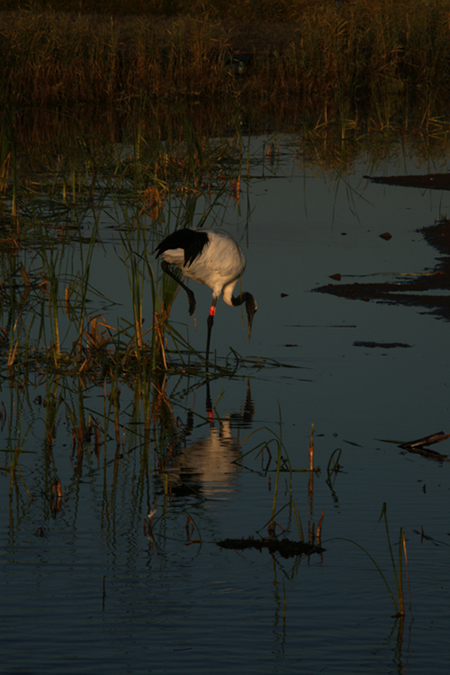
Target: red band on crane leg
<point>212,310</point>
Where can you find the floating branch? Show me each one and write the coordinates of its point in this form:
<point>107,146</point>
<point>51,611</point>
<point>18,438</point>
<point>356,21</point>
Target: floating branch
<point>418,446</point>
<point>428,440</point>
<point>285,547</point>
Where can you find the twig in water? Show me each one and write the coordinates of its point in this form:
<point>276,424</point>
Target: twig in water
<point>428,440</point>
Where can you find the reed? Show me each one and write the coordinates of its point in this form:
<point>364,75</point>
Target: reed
<point>372,57</point>
<point>283,466</point>
<point>397,568</point>
<point>8,156</point>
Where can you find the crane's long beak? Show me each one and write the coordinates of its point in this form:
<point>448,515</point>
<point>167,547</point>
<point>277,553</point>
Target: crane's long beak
<point>251,307</point>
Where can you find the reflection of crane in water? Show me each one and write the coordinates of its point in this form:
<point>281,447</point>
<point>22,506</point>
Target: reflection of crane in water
<point>208,465</point>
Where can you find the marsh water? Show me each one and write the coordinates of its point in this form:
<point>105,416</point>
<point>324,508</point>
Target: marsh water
<point>90,584</point>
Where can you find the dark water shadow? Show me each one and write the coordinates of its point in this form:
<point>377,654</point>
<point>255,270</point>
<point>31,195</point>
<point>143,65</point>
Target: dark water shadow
<point>428,181</point>
<point>429,289</point>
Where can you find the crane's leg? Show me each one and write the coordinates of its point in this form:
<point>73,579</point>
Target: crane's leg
<point>212,311</point>
<point>191,297</point>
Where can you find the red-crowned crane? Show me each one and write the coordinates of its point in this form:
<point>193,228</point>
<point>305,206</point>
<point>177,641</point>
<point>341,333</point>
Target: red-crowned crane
<point>210,258</point>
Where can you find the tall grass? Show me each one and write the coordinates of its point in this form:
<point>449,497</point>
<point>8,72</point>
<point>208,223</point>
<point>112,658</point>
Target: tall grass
<point>143,187</point>
<point>375,57</point>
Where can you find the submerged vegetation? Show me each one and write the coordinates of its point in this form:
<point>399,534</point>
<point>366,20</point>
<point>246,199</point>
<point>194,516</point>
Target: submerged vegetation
<point>369,57</point>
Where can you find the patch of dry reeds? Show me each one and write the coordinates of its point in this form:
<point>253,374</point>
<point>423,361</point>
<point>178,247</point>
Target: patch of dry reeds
<point>52,58</point>
<point>375,56</point>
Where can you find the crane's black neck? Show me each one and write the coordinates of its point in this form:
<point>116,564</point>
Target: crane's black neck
<point>250,305</point>
<point>243,297</point>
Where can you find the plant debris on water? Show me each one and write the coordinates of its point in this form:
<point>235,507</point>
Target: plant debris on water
<point>285,547</point>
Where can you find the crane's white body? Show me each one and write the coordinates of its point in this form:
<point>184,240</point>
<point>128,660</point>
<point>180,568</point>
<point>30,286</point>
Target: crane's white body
<point>220,264</point>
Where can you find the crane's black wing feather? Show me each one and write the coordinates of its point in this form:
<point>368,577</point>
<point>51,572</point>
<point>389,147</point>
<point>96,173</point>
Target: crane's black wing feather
<point>192,241</point>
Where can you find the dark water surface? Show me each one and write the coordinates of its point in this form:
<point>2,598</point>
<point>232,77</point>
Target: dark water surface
<point>84,587</point>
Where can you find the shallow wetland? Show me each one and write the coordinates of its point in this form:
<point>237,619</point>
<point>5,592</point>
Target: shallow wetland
<point>280,509</point>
